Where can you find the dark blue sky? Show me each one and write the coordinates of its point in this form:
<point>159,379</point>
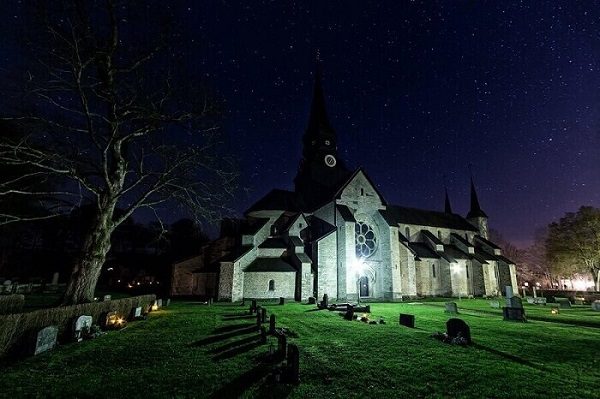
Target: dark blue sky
<point>415,91</point>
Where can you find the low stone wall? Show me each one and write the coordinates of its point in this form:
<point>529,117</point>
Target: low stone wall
<point>15,329</point>
<point>11,303</point>
<point>589,296</point>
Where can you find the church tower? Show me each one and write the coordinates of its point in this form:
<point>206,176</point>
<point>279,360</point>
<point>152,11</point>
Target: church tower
<point>447,206</point>
<point>476,215</point>
<point>321,172</point>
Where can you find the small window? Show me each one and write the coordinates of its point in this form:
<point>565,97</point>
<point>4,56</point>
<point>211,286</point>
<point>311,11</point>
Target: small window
<point>433,270</point>
<point>362,191</point>
<point>271,285</point>
<point>466,237</point>
<point>300,225</point>
<point>407,233</point>
<point>273,230</point>
<point>467,269</point>
<point>440,235</point>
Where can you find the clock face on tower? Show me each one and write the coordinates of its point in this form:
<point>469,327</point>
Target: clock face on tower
<point>330,160</point>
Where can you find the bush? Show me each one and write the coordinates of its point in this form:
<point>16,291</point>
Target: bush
<point>15,329</point>
<point>11,303</point>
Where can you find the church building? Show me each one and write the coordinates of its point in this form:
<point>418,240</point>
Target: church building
<point>335,234</point>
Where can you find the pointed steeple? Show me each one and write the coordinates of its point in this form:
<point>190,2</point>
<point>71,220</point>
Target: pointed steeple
<point>475,211</point>
<point>318,121</point>
<point>447,207</point>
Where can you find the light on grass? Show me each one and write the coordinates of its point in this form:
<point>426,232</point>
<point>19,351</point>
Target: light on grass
<point>554,311</point>
<point>154,307</point>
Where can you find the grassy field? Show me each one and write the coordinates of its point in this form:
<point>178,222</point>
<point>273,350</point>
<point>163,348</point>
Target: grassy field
<point>191,350</point>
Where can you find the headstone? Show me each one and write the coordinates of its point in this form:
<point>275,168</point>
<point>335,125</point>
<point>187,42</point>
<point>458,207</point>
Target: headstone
<point>579,301</point>
<point>136,312</point>
<point>451,307</point>
<point>515,302</point>
<point>540,300</point>
<point>407,320</point>
<point>281,345</point>
<point>55,278</point>
<point>81,326</point>
<point>325,302</point>
<point>293,364</point>
<point>167,301</point>
<point>531,300</point>
<point>106,298</point>
<point>596,305</point>
<point>495,304</point>
<point>272,324</point>
<point>159,303</point>
<point>534,292</point>
<point>209,302</point>
<point>281,300</point>
<point>349,315</point>
<point>108,319</point>
<point>563,303</point>
<point>263,335</point>
<point>458,331</point>
<point>263,315</point>
<point>253,306</point>
<point>312,300</point>
<point>513,313</point>
<point>509,293</point>
<point>45,339</point>
<point>259,316</point>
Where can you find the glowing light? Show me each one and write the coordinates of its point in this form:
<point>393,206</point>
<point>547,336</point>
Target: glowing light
<point>526,284</point>
<point>129,286</point>
<point>358,266</point>
<point>555,311</point>
<point>154,307</point>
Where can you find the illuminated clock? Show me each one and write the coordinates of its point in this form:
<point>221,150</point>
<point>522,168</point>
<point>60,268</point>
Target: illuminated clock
<point>330,160</point>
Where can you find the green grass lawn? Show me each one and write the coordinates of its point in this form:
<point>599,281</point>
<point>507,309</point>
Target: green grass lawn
<point>165,356</point>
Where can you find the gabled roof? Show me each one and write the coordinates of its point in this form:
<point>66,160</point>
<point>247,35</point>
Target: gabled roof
<point>252,225</point>
<point>296,241</point>
<point>422,250</point>
<point>352,177</point>
<point>273,242</point>
<point>461,239</point>
<point>401,215</point>
<point>487,242</point>
<point>270,265</point>
<point>455,252</point>
<point>277,200</point>
<point>505,259</point>
<point>236,254</point>
<point>433,238</point>
<point>484,254</point>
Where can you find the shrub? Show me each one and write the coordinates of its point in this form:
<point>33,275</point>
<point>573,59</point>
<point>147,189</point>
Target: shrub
<point>15,329</point>
<point>11,303</point>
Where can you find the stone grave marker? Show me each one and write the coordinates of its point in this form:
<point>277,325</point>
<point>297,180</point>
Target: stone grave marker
<point>253,306</point>
<point>136,313</point>
<point>458,331</point>
<point>407,320</point>
<point>531,300</point>
<point>272,324</point>
<point>263,335</point>
<point>495,304</point>
<point>596,305</point>
<point>451,307</point>
<point>515,302</point>
<point>514,310</point>
<point>106,298</point>
<point>168,302</point>
<point>312,300</point>
<point>540,300</point>
<point>258,316</point>
<point>325,302</point>
<point>45,339</point>
<point>563,303</point>
<point>281,300</point>
<point>159,303</point>
<point>349,315</point>
<point>263,315</point>
<point>281,345</point>
<point>293,364</point>
<point>55,276</point>
<point>107,320</point>
<point>81,326</point>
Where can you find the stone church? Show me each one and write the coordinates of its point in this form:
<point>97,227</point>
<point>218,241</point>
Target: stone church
<point>335,234</point>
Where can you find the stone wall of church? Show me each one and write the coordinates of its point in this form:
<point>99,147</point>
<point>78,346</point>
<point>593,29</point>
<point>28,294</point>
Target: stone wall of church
<point>327,266</point>
<point>444,233</point>
<point>182,278</point>
<point>505,277</point>
<point>477,278</point>
<point>346,258</point>
<point>205,284</point>
<point>489,277</point>
<point>430,283</point>
<point>394,291</point>
<point>408,273</point>
<point>256,285</point>
<point>460,281</point>
<point>226,282</point>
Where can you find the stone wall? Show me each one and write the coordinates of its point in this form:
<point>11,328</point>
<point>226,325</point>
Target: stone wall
<point>182,278</point>
<point>460,282</point>
<point>256,285</point>
<point>327,266</point>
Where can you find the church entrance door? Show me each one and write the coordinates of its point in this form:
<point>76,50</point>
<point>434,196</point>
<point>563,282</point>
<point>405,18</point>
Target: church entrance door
<point>364,286</point>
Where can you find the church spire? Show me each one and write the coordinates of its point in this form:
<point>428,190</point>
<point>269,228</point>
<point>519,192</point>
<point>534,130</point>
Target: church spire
<point>318,122</point>
<point>447,207</point>
<point>475,210</point>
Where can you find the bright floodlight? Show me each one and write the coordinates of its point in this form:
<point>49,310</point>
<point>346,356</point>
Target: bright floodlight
<point>358,266</point>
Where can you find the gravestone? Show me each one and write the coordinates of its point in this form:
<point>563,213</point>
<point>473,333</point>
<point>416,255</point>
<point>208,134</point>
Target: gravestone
<point>495,304</point>
<point>540,300</point>
<point>253,306</point>
<point>451,307</point>
<point>515,302</point>
<point>272,324</point>
<point>45,339</point>
<point>263,315</point>
<point>563,303</point>
<point>81,326</point>
<point>292,374</point>
<point>531,300</point>
<point>325,302</point>
<point>312,300</point>
<point>55,278</point>
<point>281,345</point>
<point>534,292</point>
<point>259,316</point>
<point>168,302</point>
<point>349,315</point>
<point>407,320</point>
<point>136,313</point>
<point>106,298</point>
<point>509,293</point>
<point>281,300</point>
<point>458,332</point>
<point>159,303</point>
<point>579,301</point>
<point>263,335</point>
<point>107,320</point>
<point>516,314</point>
<point>596,305</point>
<point>209,302</point>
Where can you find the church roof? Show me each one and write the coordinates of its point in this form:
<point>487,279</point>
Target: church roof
<point>270,265</point>
<point>455,252</point>
<point>236,254</point>
<point>296,241</point>
<point>487,242</point>
<point>397,214</point>
<point>422,250</point>
<point>475,210</point>
<point>346,213</point>
<point>461,239</point>
<point>277,200</point>
<point>252,226</point>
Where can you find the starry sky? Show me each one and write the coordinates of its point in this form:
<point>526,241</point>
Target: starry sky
<point>416,92</point>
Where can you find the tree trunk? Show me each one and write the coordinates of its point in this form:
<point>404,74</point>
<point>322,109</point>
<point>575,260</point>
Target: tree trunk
<point>88,266</point>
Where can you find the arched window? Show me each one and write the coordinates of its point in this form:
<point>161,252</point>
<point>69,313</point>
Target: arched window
<point>271,285</point>
<point>365,240</point>
<point>440,235</point>
<point>433,269</point>
<point>407,233</point>
<point>467,268</point>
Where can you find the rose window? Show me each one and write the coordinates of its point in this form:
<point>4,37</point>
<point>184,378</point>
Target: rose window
<point>366,242</point>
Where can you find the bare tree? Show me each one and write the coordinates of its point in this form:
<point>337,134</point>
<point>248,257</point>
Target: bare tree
<point>112,114</point>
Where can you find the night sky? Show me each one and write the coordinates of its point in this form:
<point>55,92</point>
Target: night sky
<point>415,91</point>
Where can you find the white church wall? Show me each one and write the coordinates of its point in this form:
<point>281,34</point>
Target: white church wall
<point>327,266</point>
<point>477,278</point>
<point>394,290</point>
<point>256,285</point>
<point>326,213</point>
<point>460,281</point>
<point>270,252</point>
<point>489,278</point>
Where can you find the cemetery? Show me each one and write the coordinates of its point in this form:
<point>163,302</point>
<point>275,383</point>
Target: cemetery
<point>299,350</point>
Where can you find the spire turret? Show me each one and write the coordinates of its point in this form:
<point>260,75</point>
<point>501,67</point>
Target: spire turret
<point>475,210</point>
<point>447,207</point>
